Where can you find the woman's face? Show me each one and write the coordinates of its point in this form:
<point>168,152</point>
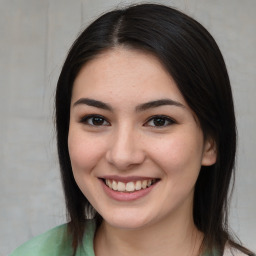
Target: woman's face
<point>135,146</point>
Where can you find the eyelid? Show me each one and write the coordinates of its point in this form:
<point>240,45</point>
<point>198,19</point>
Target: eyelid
<point>167,118</point>
<point>84,120</point>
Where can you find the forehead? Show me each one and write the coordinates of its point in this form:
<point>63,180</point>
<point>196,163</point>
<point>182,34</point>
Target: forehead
<point>121,72</point>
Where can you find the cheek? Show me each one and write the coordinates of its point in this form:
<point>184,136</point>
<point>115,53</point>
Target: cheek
<point>179,155</point>
<point>84,151</point>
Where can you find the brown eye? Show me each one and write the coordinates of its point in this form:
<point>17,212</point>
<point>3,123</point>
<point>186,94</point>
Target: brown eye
<point>159,121</point>
<point>95,120</point>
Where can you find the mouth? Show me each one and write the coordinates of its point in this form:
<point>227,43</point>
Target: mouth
<point>131,186</point>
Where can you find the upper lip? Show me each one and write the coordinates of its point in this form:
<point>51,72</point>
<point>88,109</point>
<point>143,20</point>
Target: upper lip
<point>126,179</point>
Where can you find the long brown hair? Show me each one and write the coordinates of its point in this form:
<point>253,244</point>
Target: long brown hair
<point>193,59</point>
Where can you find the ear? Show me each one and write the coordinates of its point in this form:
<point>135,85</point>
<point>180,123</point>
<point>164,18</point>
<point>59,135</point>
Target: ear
<point>210,152</point>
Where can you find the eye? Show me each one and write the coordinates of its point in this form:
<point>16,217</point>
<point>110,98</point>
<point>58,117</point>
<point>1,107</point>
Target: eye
<point>159,121</point>
<point>95,120</point>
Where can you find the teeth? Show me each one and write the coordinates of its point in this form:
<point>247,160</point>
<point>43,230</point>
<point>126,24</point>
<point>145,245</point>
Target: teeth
<point>130,186</point>
<point>144,183</point>
<point>114,185</point>
<point>138,185</point>
<point>109,183</point>
<point>120,186</point>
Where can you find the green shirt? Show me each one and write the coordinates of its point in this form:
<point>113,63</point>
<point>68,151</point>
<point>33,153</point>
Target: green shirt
<point>57,242</point>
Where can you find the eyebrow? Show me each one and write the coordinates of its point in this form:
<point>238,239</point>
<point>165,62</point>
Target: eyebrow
<point>158,103</point>
<point>139,108</point>
<point>93,103</point>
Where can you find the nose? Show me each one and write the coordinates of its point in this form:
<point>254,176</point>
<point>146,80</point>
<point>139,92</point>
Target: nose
<point>125,150</point>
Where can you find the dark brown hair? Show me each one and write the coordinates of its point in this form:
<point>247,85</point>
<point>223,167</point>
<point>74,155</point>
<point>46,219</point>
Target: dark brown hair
<point>193,59</point>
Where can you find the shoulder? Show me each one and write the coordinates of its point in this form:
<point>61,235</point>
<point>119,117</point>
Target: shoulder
<point>54,242</point>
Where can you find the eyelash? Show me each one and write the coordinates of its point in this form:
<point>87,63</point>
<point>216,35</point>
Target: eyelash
<point>88,120</point>
<point>167,119</point>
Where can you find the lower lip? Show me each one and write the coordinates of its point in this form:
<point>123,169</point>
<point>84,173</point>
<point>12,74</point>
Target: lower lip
<point>127,196</point>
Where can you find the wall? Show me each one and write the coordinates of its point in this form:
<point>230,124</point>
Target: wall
<point>35,37</point>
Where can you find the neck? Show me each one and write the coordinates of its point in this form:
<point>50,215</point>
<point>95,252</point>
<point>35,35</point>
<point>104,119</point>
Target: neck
<point>179,238</point>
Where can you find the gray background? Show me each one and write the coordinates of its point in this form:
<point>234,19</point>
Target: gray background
<point>35,36</point>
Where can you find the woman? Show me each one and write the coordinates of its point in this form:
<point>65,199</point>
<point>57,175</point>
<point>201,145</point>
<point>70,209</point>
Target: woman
<point>146,140</point>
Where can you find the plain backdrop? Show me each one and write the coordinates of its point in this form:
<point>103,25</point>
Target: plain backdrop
<point>35,36</point>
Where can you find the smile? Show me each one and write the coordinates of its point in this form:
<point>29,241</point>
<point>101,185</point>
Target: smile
<point>129,186</point>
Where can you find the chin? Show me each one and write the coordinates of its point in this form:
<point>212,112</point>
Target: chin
<point>127,221</point>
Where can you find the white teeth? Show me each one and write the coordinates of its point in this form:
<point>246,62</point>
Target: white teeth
<point>138,185</point>
<point>144,183</point>
<point>109,183</point>
<point>120,186</point>
<point>114,185</point>
<point>129,186</point>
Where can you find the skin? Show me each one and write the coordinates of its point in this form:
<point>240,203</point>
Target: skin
<point>127,143</point>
